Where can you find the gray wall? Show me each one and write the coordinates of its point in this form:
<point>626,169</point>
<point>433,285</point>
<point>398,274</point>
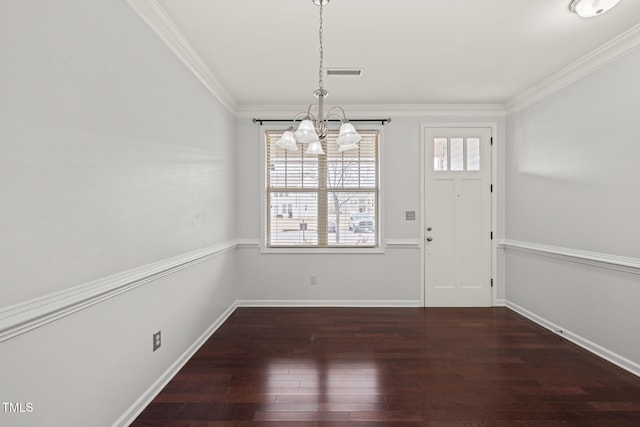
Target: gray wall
<point>348,278</point>
<point>112,156</point>
<point>571,178</point>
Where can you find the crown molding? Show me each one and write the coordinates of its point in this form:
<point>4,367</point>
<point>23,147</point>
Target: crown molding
<point>159,21</point>
<point>157,18</point>
<point>603,55</point>
<point>393,110</point>
<point>154,15</point>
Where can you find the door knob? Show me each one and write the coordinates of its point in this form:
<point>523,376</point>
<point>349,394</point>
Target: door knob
<point>429,239</point>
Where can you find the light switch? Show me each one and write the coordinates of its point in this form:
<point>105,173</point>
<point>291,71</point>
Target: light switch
<point>410,215</point>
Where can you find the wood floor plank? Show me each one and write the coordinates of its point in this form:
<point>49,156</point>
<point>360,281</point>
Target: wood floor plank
<point>399,367</point>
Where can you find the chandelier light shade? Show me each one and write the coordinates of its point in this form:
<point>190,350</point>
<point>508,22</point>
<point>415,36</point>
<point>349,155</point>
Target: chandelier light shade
<point>313,129</point>
<point>348,135</point>
<point>590,8</point>
<point>306,132</point>
<point>314,148</point>
<point>288,141</point>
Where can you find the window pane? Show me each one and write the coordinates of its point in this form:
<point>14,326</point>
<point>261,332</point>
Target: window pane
<point>312,198</point>
<point>457,154</point>
<point>353,168</point>
<point>297,226</point>
<point>351,174</point>
<point>440,158</point>
<point>473,154</point>
<point>352,218</point>
<point>291,169</point>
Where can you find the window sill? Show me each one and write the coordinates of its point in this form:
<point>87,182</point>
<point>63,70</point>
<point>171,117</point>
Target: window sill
<point>311,251</point>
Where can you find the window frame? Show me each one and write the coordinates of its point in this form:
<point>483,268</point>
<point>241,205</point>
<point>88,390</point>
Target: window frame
<point>264,228</point>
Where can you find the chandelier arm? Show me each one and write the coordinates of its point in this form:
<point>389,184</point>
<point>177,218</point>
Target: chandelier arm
<point>301,114</point>
<point>332,112</point>
<point>310,114</point>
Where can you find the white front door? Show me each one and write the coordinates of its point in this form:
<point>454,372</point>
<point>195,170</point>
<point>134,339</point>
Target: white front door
<point>458,217</point>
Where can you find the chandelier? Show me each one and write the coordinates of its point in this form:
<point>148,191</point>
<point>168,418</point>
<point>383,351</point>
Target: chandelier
<point>313,129</point>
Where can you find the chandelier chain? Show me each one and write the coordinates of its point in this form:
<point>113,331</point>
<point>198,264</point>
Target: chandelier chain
<point>320,83</point>
<point>313,128</point>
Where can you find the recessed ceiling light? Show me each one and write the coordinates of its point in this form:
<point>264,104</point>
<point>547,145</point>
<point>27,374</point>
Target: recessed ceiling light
<point>589,8</point>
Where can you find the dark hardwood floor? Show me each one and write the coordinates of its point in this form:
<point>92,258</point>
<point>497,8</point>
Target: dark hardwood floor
<point>303,367</point>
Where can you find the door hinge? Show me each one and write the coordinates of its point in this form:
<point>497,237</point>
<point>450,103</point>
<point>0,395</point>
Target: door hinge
<point>491,186</point>
<point>492,235</point>
<point>492,283</point>
<point>491,140</point>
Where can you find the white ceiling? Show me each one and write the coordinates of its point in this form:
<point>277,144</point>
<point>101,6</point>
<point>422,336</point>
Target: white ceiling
<point>265,53</point>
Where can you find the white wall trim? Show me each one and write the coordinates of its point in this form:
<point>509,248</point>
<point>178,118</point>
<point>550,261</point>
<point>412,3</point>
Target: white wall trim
<point>328,303</point>
<point>159,21</point>
<point>388,244</point>
<point>403,243</point>
<point>147,397</point>
<point>157,18</point>
<point>603,55</point>
<point>500,303</point>
<point>613,262</point>
<point>375,110</point>
<point>248,243</point>
<point>23,317</point>
<point>594,348</point>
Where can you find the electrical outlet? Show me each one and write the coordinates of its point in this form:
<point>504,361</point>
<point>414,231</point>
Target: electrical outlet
<point>313,280</point>
<point>157,340</point>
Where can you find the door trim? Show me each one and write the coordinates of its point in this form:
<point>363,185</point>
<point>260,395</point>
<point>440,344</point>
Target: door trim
<point>494,199</point>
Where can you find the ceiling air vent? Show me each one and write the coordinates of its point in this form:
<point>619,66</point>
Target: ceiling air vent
<point>355,72</point>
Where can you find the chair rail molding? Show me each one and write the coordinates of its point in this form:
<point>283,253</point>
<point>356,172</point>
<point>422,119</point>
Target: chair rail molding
<point>403,243</point>
<point>597,259</point>
<point>23,317</point>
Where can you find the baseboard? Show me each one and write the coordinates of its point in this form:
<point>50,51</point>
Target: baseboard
<point>147,397</point>
<point>616,359</point>
<point>328,303</point>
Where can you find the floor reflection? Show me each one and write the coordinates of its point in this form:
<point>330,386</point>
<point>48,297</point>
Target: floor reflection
<point>321,385</point>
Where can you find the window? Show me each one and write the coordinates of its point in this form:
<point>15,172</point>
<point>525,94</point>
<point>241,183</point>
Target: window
<point>331,200</point>
<point>456,154</point>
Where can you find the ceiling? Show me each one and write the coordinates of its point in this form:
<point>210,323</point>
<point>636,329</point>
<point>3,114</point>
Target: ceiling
<point>413,52</point>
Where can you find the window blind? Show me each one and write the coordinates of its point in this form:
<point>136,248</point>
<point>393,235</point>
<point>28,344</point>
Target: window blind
<point>328,200</point>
